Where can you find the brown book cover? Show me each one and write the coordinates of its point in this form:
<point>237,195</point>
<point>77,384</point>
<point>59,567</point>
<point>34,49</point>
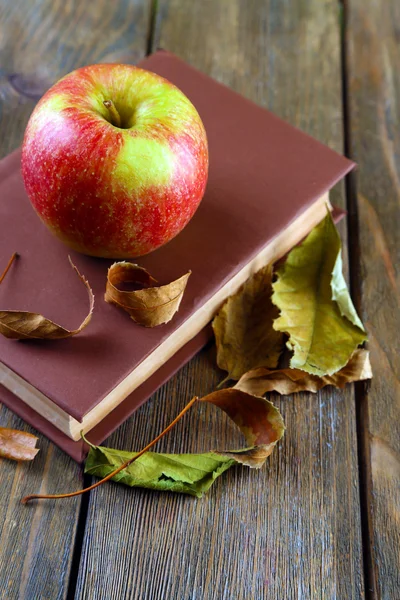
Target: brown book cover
<point>265,177</point>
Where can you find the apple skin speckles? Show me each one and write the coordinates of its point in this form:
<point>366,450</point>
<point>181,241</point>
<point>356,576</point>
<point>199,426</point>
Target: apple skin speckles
<point>115,192</point>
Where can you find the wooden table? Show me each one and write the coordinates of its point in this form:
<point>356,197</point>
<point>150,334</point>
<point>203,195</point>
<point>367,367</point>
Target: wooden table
<point>322,519</point>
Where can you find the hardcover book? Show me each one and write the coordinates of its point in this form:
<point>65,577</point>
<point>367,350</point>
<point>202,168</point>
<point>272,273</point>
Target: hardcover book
<point>268,187</point>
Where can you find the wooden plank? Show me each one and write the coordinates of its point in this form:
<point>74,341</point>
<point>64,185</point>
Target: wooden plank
<point>41,41</point>
<point>373,47</point>
<point>291,530</point>
<point>36,541</point>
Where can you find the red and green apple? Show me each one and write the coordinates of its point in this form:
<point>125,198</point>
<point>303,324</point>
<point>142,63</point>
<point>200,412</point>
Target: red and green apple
<point>115,160</point>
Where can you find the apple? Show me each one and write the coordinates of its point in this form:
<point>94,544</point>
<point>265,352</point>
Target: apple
<point>115,160</point>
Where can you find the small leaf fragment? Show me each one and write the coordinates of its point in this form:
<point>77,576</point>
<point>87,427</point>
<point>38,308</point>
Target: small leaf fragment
<point>150,306</point>
<point>258,419</point>
<point>289,381</point>
<point>243,328</point>
<point>17,445</point>
<point>24,325</point>
<point>316,310</point>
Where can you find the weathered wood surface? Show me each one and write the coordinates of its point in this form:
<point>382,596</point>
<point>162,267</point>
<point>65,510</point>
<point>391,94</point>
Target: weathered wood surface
<point>373,46</point>
<point>39,42</point>
<point>36,541</point>
<point>291,530</point>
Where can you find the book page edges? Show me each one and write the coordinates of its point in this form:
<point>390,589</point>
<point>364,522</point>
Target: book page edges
<point>71,427</point>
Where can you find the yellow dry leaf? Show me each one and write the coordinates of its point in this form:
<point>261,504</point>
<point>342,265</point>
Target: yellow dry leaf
<point>243,328</point>
<point>290,381</point>
<point>316,310</point>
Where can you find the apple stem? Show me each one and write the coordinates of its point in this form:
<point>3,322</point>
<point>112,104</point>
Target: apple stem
<point>10,262</point>
<point>114,114</point>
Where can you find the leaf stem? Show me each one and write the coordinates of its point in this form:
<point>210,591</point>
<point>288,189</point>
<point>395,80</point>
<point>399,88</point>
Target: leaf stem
<point>10,262</point>
<point>114,114</point>
<point>123,466</point>
<point>87,441</point>
<point>224,381</point>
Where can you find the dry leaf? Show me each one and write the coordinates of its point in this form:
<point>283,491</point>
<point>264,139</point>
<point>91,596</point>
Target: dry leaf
<point>23,325</point>
<point>258,419</point>
<point>316,310</point>
<point>180,473</point>
<point>150,306</point>
<point>17,445</point>
<point>290,381</point>
<point>243,328</point>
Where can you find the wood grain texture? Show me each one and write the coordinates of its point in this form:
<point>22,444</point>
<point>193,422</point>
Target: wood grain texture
<point>36,541</point>
<point>41,40</point>
<point>291,530</point>
<point>373,45</point>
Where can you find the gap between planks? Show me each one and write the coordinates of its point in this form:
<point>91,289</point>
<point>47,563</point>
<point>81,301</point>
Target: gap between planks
<point>79,539</point>
<point>87,480</point>
<point>360,388</point>
<point>362,416</point>
<point>152,26</point>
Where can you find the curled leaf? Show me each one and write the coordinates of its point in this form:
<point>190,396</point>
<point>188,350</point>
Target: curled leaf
<point>17,445</point>
<point>289,381</point>
<point>316,310</point>
<point>23,325</point>
<point>243,328</point>
<point>150,306</point>
<point>257,418</point>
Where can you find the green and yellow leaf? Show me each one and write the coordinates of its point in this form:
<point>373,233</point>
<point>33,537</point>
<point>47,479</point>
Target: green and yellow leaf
<point>316,310</point>
<point>184,473</point>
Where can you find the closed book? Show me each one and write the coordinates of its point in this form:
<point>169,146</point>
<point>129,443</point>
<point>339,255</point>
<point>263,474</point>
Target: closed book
<point>268,187</point>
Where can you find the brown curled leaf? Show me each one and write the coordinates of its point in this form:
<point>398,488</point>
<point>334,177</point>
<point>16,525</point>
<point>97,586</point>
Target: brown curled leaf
<point>290,381</point>
<point>243,328</point>
<point>24,325</point>
<point>17,445</point>
<point>258,419</point>
<point>151,306</point>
